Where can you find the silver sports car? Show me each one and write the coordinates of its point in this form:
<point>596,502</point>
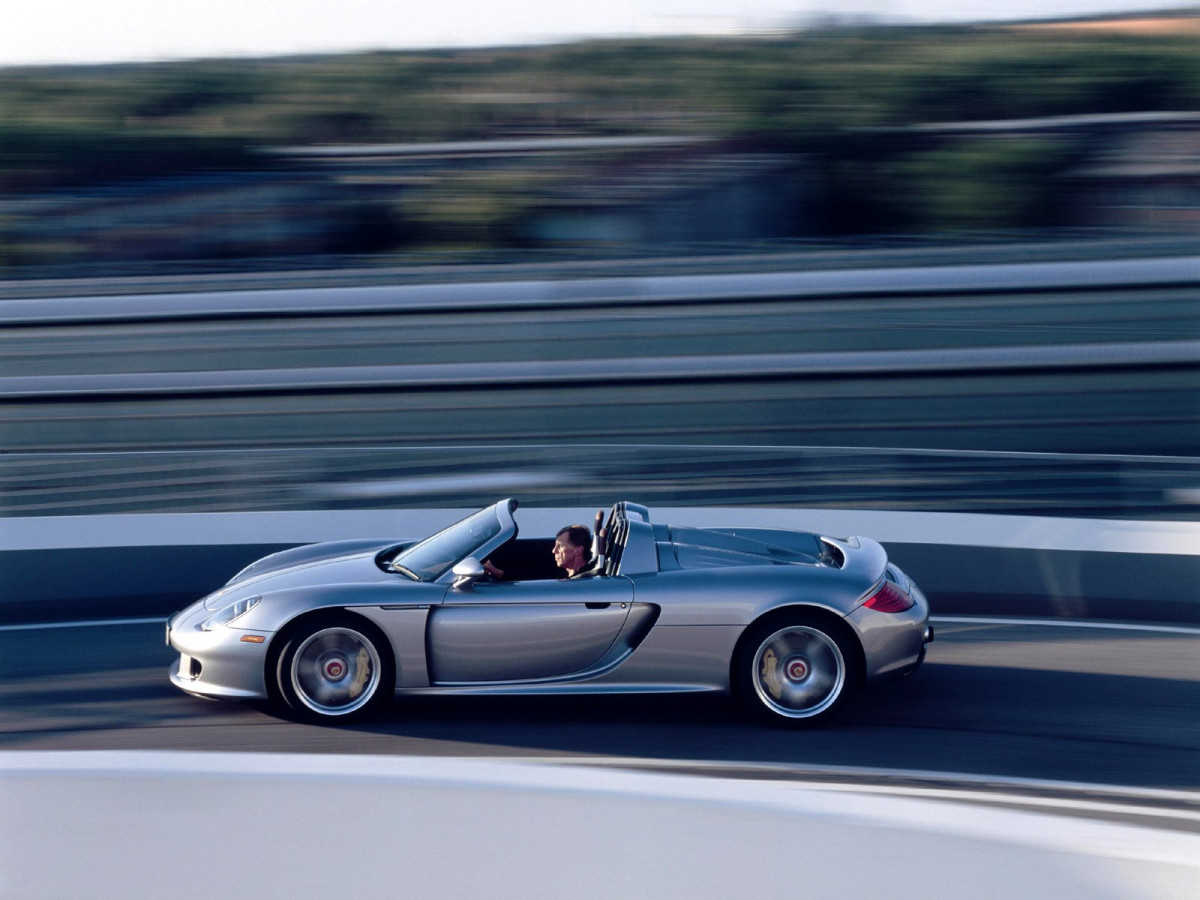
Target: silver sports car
<point>790,622</point>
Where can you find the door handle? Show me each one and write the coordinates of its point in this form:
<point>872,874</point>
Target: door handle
<point>597,605</point>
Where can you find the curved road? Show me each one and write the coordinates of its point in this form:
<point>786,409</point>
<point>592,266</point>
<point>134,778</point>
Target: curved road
<point>1024,700</point>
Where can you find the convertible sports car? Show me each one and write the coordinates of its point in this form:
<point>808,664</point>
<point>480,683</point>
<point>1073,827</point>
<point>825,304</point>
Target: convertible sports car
<point>790,622</point>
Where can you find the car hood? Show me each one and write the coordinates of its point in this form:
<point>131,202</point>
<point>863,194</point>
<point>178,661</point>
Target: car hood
<point>703,548</point>
<point>338,562</point>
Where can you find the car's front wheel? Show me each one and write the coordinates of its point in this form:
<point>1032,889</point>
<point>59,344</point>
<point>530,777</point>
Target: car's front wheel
<point>334,668</point>
<point>796,670</point>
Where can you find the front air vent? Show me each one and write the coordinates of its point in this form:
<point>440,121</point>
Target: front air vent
<point>189,667</point>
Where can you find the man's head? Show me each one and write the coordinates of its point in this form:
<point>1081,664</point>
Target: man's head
<point>572,546</point>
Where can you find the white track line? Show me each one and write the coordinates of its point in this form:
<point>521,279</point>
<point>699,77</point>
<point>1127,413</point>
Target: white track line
<point>1066,623</point>
<point>94,623</point>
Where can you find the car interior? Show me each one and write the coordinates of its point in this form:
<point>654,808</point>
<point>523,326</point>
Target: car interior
<point>527,559</point>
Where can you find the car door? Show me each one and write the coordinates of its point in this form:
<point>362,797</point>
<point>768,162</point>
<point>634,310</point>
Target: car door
<point>526,630</point>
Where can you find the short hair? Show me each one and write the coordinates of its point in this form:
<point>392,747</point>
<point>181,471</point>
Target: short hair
<point>579,535</point>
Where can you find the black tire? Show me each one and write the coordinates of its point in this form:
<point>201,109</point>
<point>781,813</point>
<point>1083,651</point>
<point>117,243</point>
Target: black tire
<point>334,668</point>
<point>796,669</point>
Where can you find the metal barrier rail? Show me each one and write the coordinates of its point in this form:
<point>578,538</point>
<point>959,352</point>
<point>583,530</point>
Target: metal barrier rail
<point>552,373</point>
<point>648,289</point>
<point>333,478</point>
<point>1050,357</point>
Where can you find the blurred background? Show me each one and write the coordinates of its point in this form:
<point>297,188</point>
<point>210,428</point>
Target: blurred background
<point>677,268</point>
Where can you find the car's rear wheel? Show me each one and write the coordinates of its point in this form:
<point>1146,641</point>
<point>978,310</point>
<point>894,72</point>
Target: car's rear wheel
<point>796,670</point>
<point>334,668</point>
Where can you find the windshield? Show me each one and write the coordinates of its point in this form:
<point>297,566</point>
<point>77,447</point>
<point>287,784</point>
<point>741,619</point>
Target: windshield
<point>434,555</point>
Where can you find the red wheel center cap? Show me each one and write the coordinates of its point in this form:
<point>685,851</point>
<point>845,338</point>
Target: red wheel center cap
<point>335,669</point>
<point>797,669</point>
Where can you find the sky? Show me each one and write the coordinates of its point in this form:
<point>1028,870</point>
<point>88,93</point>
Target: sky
<point>89,31</point>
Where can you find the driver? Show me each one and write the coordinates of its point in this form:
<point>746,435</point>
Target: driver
<point>574,550</point>
<point>571,549</point>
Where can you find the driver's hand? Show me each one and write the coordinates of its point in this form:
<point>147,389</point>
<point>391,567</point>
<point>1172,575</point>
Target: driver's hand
<point>492,570</point>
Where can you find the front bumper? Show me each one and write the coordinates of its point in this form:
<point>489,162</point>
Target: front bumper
<point>226,663</point>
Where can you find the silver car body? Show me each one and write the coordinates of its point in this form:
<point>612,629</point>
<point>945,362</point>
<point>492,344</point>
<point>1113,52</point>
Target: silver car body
<point>664,612</point>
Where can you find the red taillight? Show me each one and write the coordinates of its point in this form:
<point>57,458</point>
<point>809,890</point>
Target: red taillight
<point>889,599</point>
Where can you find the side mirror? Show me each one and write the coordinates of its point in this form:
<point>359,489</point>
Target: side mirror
<point>466,573</point>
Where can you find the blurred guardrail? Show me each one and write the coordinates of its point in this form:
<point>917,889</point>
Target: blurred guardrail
<point>612,290</point>
<point>62,568</point>
<point>973,247</point>
<point>552,373</point>
<point>344,478</point>
<point>1062,357</point>
<point>776,387</point>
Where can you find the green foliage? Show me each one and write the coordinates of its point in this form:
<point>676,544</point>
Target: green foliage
<point>792,89</point>
<point>983,184</point>
<point>842,97</point>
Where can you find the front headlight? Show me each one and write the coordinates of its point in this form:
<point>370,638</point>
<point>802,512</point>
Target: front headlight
<point>227,614</point>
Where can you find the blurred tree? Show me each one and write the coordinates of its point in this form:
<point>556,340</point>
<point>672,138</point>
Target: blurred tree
<point>996,183</point>
<point>844,99</point>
